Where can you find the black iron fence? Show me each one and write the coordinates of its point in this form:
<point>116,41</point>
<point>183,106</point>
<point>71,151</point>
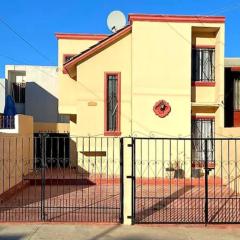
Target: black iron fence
<point>64,178</point>
<point>60,178</point>
<point>7,122</point>
<point>173,184</point>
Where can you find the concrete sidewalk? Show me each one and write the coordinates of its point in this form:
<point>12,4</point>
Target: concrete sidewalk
<point>109,232</point>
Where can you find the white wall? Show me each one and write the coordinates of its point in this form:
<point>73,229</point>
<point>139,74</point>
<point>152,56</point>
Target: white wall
<point>2,94</point>
<point>41,97</point>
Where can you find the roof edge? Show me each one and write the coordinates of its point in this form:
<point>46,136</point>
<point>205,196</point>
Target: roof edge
<point>99,47</point>
<point>80,36</point>
<point>175,18</point>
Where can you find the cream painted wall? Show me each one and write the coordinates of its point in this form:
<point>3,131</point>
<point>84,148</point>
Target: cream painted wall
<point>68,90</point>
<point>90,88</point>
<point>161,70</point>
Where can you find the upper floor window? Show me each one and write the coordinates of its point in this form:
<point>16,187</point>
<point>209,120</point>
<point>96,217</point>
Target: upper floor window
<point>18,92</point>
<point>203,64</point>
<point>112,103</point>
<point>203,128</point>
<point>67,57</point>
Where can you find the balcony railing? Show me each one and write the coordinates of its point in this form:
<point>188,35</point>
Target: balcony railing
<point>7,122</point>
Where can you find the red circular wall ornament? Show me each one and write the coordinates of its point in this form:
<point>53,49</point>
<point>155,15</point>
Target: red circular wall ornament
<point>162,108</point>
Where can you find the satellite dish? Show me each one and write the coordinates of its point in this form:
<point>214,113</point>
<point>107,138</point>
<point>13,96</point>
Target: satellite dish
<point>115,21</point>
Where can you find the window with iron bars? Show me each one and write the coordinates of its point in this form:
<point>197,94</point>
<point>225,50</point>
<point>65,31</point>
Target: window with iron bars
<point>18,92</point>
<point>202,129</point>
<point>236,95</point>
<point>112,103</point>
<point>203,64</point>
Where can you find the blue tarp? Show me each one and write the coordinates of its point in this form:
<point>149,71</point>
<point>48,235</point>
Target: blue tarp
<point>9,109</point>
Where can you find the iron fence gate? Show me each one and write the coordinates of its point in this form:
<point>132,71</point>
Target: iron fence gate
<point>60,178</point>
<point>186,180</point>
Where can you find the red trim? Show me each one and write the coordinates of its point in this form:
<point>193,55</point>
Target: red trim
<point>236,118</point>
<point>204,46</point>
<point>98,48</point>
<point>203,84</point>
<point>235,69</point>
<point>77,36</point>
<point>118,131</point>
<point>175,18</point>
<point>203,117</point>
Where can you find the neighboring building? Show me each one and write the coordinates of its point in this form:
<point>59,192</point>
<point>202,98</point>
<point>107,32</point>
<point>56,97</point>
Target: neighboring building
<point>35,91</point>
<point>232,92</point>
<point>2,95</point>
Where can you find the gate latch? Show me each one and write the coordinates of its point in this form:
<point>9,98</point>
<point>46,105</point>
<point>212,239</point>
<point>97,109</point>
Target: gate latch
<point>131,177</point>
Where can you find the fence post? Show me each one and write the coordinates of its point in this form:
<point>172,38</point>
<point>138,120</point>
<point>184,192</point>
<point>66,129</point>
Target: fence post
<point>128,198</point>
<point>206,179</point>
<point>43,181</point>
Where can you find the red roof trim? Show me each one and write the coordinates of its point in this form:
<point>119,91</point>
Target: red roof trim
<point>99,47</point>
<point>77,36</point>
<point>235,69</point>
<point>175,18</point>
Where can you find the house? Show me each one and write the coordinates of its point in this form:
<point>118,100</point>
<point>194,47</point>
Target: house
<point>176,61</point>
<point>142,126</point>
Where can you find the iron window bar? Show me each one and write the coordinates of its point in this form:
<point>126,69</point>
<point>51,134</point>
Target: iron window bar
<point>203,64</point>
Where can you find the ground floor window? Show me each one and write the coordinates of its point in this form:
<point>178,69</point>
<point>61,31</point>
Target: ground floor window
<point>202,128</point>
<point>112,104</point>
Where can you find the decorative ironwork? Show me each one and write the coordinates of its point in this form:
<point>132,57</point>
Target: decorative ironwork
<point>167,189</point>
<point>203,64</point>
<point>48,178</point>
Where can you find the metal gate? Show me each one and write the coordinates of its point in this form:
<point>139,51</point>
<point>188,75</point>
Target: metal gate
<point>186,180</point>
<point>54,177</point>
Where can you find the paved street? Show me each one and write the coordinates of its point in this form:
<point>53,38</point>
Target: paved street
<point>115,232</point>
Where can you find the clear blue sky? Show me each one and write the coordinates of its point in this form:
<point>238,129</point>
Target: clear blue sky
<point>37,21</point>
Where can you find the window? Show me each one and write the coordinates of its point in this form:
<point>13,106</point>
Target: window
<point>202,128</point>
<point>236,94</point>
<point>203,64</point>
<point>18,92</point>
<point>67,57</point>
<point>112,104</point>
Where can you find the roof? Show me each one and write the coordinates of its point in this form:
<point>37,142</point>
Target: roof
<point>98,47</point>
<point>77,36</point>
<point>175,18</point>
<point>109,40</point>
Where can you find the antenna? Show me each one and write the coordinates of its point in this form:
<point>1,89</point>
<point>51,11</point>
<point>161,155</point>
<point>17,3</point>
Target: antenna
<point>116,20</point>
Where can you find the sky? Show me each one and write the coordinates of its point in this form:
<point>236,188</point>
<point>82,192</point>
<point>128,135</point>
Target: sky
<point>31,39</point>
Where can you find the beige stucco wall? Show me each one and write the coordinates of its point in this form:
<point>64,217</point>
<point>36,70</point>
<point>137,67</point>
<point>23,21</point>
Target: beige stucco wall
<point>68,90</point>
<point>155,63</point>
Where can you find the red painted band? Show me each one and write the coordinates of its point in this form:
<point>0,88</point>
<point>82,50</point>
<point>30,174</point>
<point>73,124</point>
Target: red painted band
<point>235,69</point>
<point>203,117</point>
<point>77,36</point>
<point>203,84</point>
<point>175,18</point>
